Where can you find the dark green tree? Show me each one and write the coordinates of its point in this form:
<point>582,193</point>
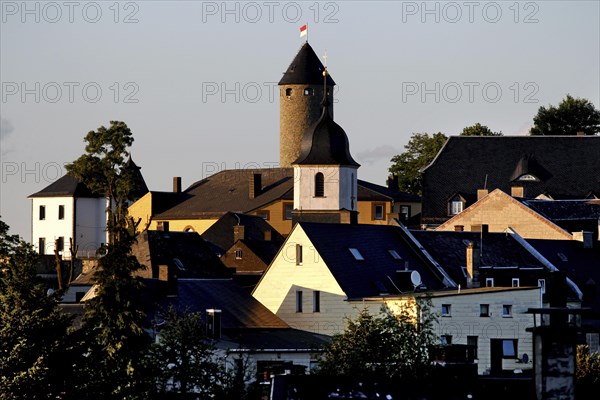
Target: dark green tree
<point>103,168</point>
<point>420,151</point>
<point>587,372</point>
<point>479,130</point>
<point>33,331</point>
<point>184,358</point>
<point>573,115</point>
<point>392,346</point>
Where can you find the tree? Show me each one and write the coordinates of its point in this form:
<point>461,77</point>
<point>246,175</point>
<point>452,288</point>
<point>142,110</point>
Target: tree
<point>420,151</point>
<point>113,332</point>
<point>33,331</point>
<point>573,115</point>
<point>392,346</point>
<point>479,130</point>
<point>587,372</point>
<point>185,361</point>
<point>104,170</point>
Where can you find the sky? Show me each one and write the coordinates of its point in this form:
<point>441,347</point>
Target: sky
<point>196,81</point>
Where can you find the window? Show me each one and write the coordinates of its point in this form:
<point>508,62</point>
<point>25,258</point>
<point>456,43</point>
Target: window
<point>287,210</point>
<point>542,284</point>
<point>378,211</point>
<point>515,282</point>
<point>316,301</point>
<point>238,254</point>
<point>298,254</point>
<point>61,212</point>
<point>42,213</point>
<point>42,246</point>
<point>404,212</point>
<point>319,185</point>
<point>489,282</point>
<point>356,254</point>
<point>288,92</point>
<point>507,310</point>
<point>309,91</point>
<point>446,339</point>
<point>395,255</point>
<point>509,348</point>
<point>298,301</point>
<point>456,207</point>
<point>264,214</point>
<point>473,342</point>
<point>484,310</point>
<point>446,310</point>
<point>60,243</point>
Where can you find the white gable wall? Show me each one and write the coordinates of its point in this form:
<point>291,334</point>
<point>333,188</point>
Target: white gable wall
<point>91,225</point>
<point>51,227</point>
<point>340,187</point>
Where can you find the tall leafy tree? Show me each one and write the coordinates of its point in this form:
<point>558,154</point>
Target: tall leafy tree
<point>419,152</point>
<point>479,130</point>
<point>572,115</point>
<point>33,331</point>
<point>113,332</point>
<point>389,345</point>
<point>103,168</point>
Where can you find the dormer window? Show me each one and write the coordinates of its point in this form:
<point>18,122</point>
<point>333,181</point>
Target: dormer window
<point>457,205</point>
<point>319,185</point>
<point>528,178</point>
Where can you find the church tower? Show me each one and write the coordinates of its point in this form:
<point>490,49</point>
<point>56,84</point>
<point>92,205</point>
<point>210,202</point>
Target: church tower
<point>301,93</point>
<point>325,174</point>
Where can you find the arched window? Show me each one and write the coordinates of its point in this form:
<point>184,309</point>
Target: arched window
<point>319,185</point>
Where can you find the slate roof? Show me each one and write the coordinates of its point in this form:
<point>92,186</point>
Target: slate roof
<point>325,143</point>
<point>360,279</point>
<point>140,188</point>
<point>195,257</point>
<point>497,250</point>
<point>305,68</point>
<point>239,309</point>
<point>266,250</point>
<point>227,190</point>
<point>570,165</point>
<point>557,210</point>
<point>581,265</point>
<point>367,187</point>
<point>220,234</point>
<point>65,186</point>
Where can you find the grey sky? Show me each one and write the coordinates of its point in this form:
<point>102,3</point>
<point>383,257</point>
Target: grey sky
<point>196,81</point>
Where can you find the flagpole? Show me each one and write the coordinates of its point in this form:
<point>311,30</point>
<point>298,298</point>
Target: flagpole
<point>307,32</point>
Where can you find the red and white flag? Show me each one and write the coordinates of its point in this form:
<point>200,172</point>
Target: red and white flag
<point>304,30</point>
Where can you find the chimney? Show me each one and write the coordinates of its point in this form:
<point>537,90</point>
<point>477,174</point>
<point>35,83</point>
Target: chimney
<point>481,193</point>
<point>168,279</point>
<point>459,228</point>
<point>517,191</point>
<point>392,183</point>
<point>176,184</point>
<point>268,234</point>
<point>239,233</point>
<point>213,323</point>
<point>585,237</point>
<point>473,260</point>
<point>254,185</point>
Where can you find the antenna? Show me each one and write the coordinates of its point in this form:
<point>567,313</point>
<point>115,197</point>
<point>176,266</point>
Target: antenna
<point>485,182</point>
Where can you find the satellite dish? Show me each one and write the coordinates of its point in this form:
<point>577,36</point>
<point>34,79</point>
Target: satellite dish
<point>415,278</point>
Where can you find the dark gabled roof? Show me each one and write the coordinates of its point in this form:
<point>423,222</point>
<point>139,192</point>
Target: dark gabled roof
<point>557,210</point>
<point>367,278</point>
<point>266,250</point>
<point>468,163</point>
<point>155,248</point>
<point>306,68</point>
<point>281,339</point>
<point>66,186</point>
<point>228,191</point>
<point>448,248</point>
<point>325,143</point>
<point>220,234</point>
<point>369,188</point>
<point>239,309</point>
<point>580,265</point>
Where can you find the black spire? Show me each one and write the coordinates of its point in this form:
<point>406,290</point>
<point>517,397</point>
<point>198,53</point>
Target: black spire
<point>306,68</point>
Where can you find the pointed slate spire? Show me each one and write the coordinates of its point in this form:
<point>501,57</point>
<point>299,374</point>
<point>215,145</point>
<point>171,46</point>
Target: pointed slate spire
<point>306,68</point>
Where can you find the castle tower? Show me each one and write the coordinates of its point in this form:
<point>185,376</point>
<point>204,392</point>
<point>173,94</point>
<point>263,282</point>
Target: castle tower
<point>301,94</point>
<point>325,174</point>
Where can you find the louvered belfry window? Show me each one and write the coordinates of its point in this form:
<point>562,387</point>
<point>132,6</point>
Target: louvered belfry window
<point>319,185</point>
